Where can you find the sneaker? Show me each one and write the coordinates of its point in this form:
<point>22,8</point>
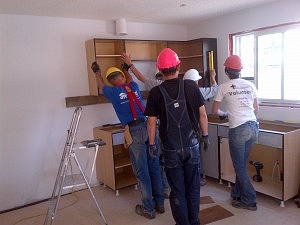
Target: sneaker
<point>242,205</point>
<point>236,200</point>
<point>139,209</point>
<point>160,209</point>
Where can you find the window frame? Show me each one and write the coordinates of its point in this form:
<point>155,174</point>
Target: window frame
<point>259,32</point>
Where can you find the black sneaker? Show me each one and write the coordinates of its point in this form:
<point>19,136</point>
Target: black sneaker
<point>139,209</point>
<point>236,200</point>
<point>160,209</point>
<point>242,205</point>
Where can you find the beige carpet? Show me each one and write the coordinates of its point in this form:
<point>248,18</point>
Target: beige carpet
<point>213,214</point>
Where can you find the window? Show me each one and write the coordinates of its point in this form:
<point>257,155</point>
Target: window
<point>271,59</point>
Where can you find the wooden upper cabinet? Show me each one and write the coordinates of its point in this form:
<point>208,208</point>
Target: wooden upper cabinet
<point>106,53</point>
<point>194,54</point>
<point>144,50</point>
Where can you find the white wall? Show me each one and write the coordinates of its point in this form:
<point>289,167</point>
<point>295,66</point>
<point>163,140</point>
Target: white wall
<point>274,13</point>
<point>42,61</point>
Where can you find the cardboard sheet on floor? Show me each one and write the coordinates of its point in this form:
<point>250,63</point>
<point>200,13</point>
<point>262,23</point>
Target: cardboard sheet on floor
<point>206,200</point>
<point>213,214</point>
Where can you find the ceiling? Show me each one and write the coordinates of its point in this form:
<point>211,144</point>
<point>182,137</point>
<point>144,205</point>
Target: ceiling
<point>176,12</point>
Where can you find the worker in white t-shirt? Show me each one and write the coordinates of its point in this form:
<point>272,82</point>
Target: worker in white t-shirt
<point>241,103</point>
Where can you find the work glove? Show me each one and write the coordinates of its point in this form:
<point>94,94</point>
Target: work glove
<point>153,150</point>
<point>125,66</point>
<point>95,67</point>
<point>224,116</point>
<point>205,141</point>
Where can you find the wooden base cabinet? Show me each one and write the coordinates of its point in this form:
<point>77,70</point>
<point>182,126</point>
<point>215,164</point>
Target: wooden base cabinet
<point>113,165</point>
<point>278,149</point>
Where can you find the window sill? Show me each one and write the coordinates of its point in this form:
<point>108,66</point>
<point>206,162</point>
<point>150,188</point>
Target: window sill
<point>281,105</point>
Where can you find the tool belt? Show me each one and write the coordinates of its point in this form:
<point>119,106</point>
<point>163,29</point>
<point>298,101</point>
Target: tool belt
<point>137,122</point>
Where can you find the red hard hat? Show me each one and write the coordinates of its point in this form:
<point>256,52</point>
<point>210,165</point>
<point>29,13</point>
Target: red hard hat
<point>233,62</point>
<point>167,58</point>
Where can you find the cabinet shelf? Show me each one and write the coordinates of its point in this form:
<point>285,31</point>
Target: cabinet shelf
<point>125,179</point>
<point>268,186</point>
<point>107,56</point>
<point>190,56</point>
<point>122,161</point>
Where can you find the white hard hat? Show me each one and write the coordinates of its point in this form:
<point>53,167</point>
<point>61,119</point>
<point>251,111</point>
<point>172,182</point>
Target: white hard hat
<point>192,74</point>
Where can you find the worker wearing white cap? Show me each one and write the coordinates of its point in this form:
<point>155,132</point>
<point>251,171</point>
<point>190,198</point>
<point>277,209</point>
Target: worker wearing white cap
<point>207,92</point>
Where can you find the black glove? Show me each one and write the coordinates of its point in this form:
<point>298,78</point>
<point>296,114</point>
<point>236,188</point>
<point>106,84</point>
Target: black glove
<point>153,150</point>
<point>161,160</point>
<point>125,66</point>
<point>224,116</point>
<point>205,141</point>
<point>95,67</point>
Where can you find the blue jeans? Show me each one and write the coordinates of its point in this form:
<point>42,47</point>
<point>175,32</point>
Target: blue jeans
<point>182,170</point>
<point>241,140</point>
<point>146,168</point>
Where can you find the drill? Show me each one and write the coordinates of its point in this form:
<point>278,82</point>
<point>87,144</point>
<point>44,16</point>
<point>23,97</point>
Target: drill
<point>258,166</point>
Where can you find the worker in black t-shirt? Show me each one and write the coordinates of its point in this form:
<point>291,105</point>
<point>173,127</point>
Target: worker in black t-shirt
<point>180,107</point>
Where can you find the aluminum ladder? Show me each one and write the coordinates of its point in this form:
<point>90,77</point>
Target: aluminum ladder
<point>64,181</point>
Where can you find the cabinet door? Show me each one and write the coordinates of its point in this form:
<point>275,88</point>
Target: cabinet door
<point>226,168</point>
<point>210,157</point>
<point>208,45</point>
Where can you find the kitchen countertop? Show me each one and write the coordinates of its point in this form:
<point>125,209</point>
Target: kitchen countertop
<point>279,127</point>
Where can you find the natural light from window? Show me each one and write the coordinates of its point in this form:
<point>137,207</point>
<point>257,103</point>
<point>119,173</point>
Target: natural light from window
<point>271,59</point>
